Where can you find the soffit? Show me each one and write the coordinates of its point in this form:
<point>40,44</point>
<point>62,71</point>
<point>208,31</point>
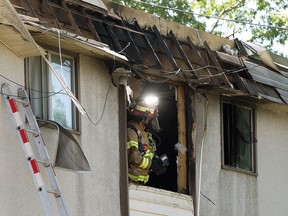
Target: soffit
<point>72,42</point>
<point>13,33</point>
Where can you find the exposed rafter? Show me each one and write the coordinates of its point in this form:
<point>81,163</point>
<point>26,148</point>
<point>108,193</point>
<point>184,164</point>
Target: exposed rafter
<point>165,48</point>
<point>149,51</point>
<point>182,53</point>
<point>223,77</point>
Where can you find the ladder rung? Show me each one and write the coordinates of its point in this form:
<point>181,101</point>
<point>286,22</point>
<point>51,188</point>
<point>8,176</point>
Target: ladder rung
<point>43,153</point>
<point>32,131</point>
<point>21,101</point>
<point>45,163</point>
<point>56,193</point>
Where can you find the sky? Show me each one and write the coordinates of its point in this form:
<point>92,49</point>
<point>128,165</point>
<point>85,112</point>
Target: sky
<point>246,36</point>
<point>240,34</point>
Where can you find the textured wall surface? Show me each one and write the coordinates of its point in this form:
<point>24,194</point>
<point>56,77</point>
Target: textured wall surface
<point>234,193</point>
<point>85,193</point>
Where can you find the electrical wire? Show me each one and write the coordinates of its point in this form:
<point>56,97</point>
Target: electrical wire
<point>50,94</point>
<point>174,73</point>
<point>30,89</point>
<point>124,48</point>
<point>211,16</point>
<point>103,110</point>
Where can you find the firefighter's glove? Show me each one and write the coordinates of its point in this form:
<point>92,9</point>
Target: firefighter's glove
<point>141,148</point>
<point>157,166</point>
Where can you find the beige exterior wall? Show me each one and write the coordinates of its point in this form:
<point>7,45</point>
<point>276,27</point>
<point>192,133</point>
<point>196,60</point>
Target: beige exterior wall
<point>95,193</point>
<point>235,193</point>
<point>272,160</point>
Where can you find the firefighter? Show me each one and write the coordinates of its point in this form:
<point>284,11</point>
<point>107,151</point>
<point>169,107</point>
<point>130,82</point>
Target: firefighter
<point>141,147</point>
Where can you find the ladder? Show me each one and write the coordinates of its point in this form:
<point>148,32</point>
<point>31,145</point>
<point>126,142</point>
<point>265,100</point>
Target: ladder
<point>32,162</point>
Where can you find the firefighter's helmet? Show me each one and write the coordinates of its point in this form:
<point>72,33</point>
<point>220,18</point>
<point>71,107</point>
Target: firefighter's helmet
<point>147,107</point>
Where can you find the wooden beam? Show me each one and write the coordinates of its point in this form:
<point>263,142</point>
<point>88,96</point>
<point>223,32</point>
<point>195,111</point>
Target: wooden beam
<point>182,158</point>
<point>165,48</point>
<point>91,26</point>
<point>148,44</point>
<point>136,53</point>
<point>191,142</point>
<point>71,18</point>
<point>241,47</point>
<point>94,18</point>
<point>201,61</point>
<point>97,7</point>
<point>112,36</point>
<point>31,8</point>
<point>182,53</point>
<point>55,20</point>
<point>123,160</point>
<point>222,77</point>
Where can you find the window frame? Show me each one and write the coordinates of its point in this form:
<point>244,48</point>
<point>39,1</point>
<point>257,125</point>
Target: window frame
<point>252,107</point>
<point>47,73</point>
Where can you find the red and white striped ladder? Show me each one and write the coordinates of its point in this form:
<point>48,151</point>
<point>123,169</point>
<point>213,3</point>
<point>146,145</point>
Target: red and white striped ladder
<point>32,162</point>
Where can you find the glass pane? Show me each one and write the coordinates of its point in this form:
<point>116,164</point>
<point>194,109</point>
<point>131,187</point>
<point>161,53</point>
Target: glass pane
<point>238,136</point>
<point>243,137</point>
<point>35,84</point>
<point>227,133</point>
<point>61,104</point>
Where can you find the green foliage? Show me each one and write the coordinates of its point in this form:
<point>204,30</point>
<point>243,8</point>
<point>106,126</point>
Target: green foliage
<point>225,17</point>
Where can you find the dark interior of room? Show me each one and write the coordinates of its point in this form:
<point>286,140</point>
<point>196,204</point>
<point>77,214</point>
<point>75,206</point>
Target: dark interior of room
<point>168,136</point>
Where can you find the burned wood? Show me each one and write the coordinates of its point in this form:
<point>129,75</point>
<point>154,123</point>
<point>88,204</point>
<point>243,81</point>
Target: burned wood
<point>91,26</point>
<point>46,4</point>
<point>199,74</point>
<point>182,53</point>
<point>71,18</point>
<point>223,77</point>
<point>112,36</point>
<point>147,42</point>
<point>136,54</point>
<point>165,48</point>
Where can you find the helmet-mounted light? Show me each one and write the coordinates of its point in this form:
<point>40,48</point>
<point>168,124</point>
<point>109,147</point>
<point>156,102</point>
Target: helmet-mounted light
<point>151,100</point>
<point>146,107</point>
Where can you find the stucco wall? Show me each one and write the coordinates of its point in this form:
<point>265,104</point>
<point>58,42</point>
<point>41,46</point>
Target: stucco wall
<point>234,193</point>
<point>17,186</point>
<point>85,193</point>
<point>272,156</point>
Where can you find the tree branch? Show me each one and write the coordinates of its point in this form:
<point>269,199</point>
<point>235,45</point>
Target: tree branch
<point>226,11</point>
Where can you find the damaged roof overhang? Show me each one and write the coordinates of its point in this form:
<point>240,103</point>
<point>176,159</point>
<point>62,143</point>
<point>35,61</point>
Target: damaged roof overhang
<point>163,51</point>
<point>78,44</point>
<point>13,33</point>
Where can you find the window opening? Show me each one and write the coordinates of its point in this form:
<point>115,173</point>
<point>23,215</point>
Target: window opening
<point>239,136</point>
<point>168,135</point>
<point>49,100</point>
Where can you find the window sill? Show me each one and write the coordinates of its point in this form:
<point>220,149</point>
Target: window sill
<point>53,127</point>
<point>239,170</point>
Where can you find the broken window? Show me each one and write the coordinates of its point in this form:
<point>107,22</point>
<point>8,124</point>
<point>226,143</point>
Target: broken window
<point>49,100</point>
<point>238,124</point>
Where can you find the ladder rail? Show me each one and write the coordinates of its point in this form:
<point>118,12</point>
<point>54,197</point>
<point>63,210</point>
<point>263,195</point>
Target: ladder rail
<point>42,150</point>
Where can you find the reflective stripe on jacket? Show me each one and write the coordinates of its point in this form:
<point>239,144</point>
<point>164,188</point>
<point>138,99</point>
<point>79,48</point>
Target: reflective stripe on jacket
<point>139,164</point>
<point>139,178</point>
